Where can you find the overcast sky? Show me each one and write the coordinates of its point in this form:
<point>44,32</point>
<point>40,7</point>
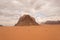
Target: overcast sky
<point>41,10</point>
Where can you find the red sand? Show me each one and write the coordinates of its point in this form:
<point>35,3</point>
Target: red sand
<point>42,32</point>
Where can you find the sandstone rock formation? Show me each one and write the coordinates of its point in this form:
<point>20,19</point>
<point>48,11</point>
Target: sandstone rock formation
<point>26,20</point>
<point>52,22</point>
<point>1,25</point>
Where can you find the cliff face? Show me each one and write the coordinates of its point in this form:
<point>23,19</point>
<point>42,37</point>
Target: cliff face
<point>52,22</point>
<point>26,20</point>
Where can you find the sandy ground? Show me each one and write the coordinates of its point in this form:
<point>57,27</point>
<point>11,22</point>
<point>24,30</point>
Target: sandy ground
<point>42,32</point>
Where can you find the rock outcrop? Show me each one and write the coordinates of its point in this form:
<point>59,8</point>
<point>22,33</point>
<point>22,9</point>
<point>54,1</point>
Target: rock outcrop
<point>0,25</point>
<point>26,20</point>
<point>52,22</point>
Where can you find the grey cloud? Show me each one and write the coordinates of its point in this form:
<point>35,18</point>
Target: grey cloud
<point>11,10</point>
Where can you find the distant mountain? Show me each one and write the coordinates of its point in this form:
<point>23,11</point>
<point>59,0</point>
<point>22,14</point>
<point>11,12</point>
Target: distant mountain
<point>52,22</point>
<point>26,20</point>
<point>1,25</point>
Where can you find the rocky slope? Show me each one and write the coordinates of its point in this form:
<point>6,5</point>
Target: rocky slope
<point>26,20</point>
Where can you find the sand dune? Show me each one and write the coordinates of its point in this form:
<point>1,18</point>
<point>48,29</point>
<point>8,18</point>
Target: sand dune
<point>42,32</point>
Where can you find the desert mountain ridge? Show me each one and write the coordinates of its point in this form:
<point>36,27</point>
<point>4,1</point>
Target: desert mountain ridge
<point>52,22</point>
<point>26,20</point>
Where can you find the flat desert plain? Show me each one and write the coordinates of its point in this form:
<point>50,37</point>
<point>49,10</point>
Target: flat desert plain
<point>42,32</point>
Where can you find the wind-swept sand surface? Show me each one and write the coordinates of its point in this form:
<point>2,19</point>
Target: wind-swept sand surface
<point>42,32</point>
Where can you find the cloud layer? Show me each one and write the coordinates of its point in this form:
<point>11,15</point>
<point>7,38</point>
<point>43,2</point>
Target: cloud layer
<point>41,10</point>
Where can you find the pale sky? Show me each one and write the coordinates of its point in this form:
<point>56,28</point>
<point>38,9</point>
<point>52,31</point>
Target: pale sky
<point>41,10</point>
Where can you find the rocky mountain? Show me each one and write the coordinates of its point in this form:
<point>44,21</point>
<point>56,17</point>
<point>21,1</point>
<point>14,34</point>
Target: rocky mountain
<point>52,22</point>
<point>26,20</point>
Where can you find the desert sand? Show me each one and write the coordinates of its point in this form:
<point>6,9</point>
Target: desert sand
<point>42,32</point>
